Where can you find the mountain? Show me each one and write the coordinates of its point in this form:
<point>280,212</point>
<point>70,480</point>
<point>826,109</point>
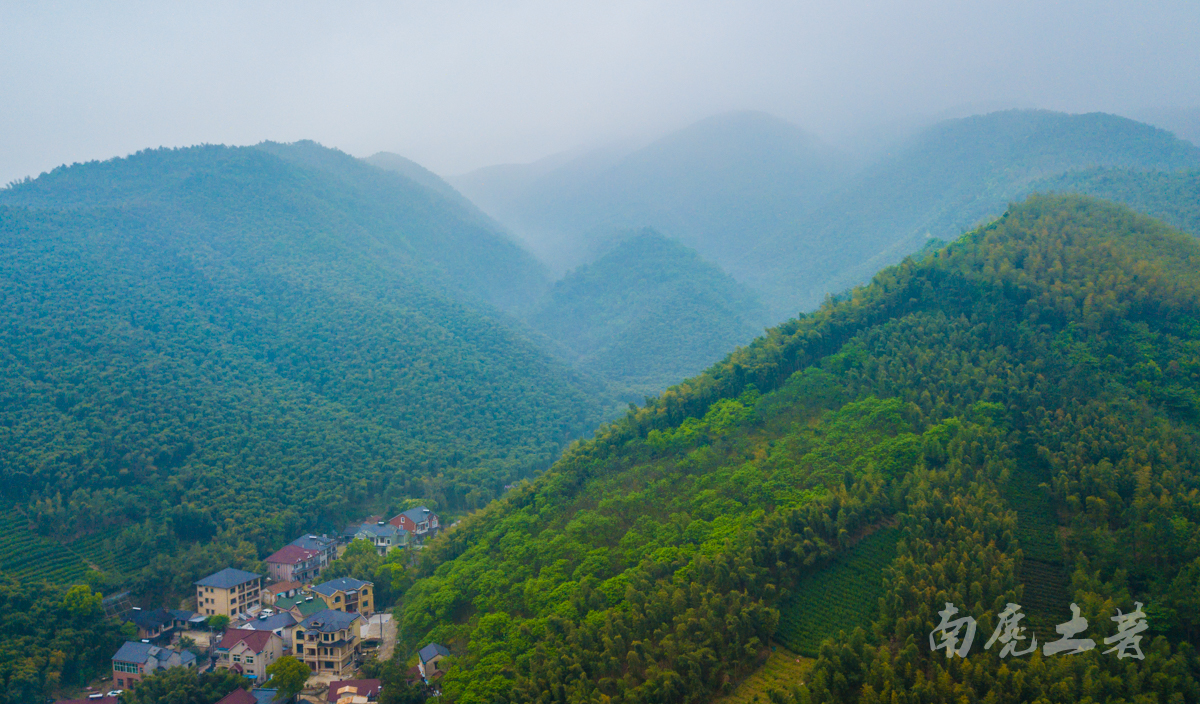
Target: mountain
<point>1013,418</point>
<point>949,178</point>
<point>420,175</point>
<point>208,350</point>
<point>648,313</point>
<point>717,186</point>
<point>1173,197</point>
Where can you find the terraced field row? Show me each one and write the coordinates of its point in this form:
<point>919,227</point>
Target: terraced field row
<point>27,556</point>
<point>99,550</point>
<point>1037,521</point>
<point>1046,601</point>
<point>840,597</point>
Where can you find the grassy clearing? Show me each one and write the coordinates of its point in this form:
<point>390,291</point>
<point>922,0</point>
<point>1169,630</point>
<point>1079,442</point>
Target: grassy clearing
<point>782,671</point>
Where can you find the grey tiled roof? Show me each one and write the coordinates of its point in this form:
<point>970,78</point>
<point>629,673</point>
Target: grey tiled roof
<point>226,578</point>
<point>271,623</point>
<point>142,652</point>
<point>313,542</point>
<point>433,650</point>
<point>418,514</point>
<point>328,621</point>
<point>341,584</point>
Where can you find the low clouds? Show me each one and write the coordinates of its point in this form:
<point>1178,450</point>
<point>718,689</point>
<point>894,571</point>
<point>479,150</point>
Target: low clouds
<point>458,85</point>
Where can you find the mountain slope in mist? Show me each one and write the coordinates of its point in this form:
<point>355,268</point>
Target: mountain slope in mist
<point>283,335</point>
<point>647,314</point>
<point>717,186</point>
<point>1022,404</point>
<point>947,179</point>
<point>1173,197</point>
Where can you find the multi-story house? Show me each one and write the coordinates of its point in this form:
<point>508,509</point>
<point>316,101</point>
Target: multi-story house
<point>280,624</point>
<point>292,563</point>
<point>328,642</point>
<point>419,521</point>
<point>384,536</point>
<point>137,660</point>
<point>354,691</point>
<point>347,594</point>
<point>428,659</point>
<point>280,590</point>
<point>249,652</point>
<point>323,544</point>
<point>231,592</point>
<point>159,625</point>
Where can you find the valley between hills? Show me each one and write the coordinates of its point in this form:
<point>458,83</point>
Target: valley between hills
<point>728,417</point>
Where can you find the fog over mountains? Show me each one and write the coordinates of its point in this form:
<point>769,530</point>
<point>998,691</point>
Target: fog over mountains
<point>796,219</point>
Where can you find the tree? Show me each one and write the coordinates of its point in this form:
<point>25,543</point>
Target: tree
<point>183,685</point>
<point>217,622</point>
<point>288,675</point>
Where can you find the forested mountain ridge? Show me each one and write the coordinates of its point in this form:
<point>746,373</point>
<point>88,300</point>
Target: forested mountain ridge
<point>946,180</point>
<point>1173,197</point>
<point>1055,346</point>
<point>648,313</point>
<point>443,241</point>
<point>206,351</point>
<point>718,186</point>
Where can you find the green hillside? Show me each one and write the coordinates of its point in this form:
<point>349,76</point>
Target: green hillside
<point>1173,197</point>
<point>651,563</point>
<point>648,313</point>
<point>206,351</point>
<point>718,186</point>
<point>337,201</point>
<point>945,181</point>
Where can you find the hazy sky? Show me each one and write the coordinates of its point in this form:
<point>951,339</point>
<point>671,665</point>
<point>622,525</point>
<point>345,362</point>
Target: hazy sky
<point>458,85</point>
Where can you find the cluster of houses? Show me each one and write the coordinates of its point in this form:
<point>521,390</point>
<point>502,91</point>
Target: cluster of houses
<point>293,613</point>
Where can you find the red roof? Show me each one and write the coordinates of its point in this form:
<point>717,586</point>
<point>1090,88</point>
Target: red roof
<point>255,640</point>
<point>239,696</point>
<point>281,587</point>
<point>364,688</point>
<point>291,555</point>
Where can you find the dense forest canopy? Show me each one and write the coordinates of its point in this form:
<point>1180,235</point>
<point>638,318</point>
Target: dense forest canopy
<point>1019,404</point>
<point>647,313</point>
<point>208,350</point>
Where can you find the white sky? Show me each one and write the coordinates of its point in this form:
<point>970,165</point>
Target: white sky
<point>457,85</point>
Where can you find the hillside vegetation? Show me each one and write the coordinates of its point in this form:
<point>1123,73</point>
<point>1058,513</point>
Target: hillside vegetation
<point>943,182</point>
<point>718,186</point>
<point>648,313</point>
<point>650,564</point>
<point>206,351</point>
<point>1173,197</point>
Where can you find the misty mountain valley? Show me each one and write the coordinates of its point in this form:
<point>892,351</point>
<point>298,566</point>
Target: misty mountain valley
<point>724,411</point>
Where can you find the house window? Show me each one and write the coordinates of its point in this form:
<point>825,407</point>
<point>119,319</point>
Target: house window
<point>249,660</point>
<point>237,658</point>
<point>224,656</point>
<point>120,682</point>
<point>337,599</point>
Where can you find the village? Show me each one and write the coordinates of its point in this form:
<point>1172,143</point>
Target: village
<point>245,622</point>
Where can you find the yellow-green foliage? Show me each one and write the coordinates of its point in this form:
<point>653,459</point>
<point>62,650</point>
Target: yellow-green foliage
<point>649,562</point>
<point>782,671</point>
